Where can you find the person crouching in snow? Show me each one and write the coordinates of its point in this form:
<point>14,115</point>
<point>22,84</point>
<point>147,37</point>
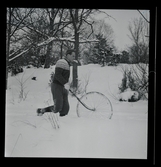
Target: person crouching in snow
<point>61,77</point>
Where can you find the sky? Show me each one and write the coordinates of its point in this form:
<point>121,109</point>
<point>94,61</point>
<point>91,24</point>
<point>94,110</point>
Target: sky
<point>120,25</point>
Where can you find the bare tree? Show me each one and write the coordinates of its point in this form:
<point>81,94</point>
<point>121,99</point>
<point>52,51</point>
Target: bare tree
<point>52,15</point>
<point>48,24</point>
<point>101,27</point>
<point>14,23</point>
<point>9,13</point>
<point>139,49</point>
<point>78,17</point>
<point>136,77</point>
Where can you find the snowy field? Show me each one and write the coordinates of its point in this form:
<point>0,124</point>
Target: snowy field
<point>29,135</point>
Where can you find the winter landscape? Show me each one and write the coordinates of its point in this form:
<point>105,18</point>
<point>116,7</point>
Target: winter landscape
<point>106,61</point>
<point>124,136</point>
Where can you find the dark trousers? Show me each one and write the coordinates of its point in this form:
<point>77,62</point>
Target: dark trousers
<point>60,98</point>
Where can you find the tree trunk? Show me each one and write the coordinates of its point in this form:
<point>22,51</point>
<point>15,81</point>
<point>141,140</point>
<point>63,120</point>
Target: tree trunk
<point>75,69</point>
<point>61,47</point>
<point>51,15</point>
<point>8,44</point>
<point>7,55</point>
<point>48,55</point>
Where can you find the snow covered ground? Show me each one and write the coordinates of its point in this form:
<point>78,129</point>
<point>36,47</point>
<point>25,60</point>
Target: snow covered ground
<point>29,135</point>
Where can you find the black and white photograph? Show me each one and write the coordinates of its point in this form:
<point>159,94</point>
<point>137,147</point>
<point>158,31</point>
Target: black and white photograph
<point>77,83</point>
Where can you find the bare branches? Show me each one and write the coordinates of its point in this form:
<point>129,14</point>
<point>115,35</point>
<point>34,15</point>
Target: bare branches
<point>46,42</point>
<point>70,39</point>
<point>139,50</point>
<point>22,86</point>
<point>143,16</point>
<point>21,53</point>
<point>91,25</point>
<point>135,77</point>
<point>73,19</point>
<point>20,21</point>
<point>109,16</point>
<point>37,31</point>
<point>57,20</point>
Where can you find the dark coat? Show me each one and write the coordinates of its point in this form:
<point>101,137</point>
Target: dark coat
<point>62,72</point>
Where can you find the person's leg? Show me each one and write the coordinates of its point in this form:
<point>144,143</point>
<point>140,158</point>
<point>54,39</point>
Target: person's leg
<point>65,108</point>
<point>57,92</point>
<point>41,111</point>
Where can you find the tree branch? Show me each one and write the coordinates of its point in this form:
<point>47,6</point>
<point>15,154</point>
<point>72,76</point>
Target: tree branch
<point>21,21</point>
<point>65,39</point>
<point>106,14</point>
<point>73,19</point>
<point>80,20</point>
<point>19,54</point>
<point>91,24</point>
<point>143,16</point>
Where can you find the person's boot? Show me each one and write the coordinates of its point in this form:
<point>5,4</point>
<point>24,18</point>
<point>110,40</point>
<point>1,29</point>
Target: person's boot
<point>40,112</point>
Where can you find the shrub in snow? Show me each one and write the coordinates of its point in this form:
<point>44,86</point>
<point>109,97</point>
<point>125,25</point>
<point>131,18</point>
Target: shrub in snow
<point>135,78</point>
<point>22,86</point>
<point>15,69</point>
<point>129,95</point>
<point>123,85</point>
<point>128,82</point>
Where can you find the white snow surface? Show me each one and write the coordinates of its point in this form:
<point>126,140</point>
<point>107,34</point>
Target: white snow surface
<point>29,135</point>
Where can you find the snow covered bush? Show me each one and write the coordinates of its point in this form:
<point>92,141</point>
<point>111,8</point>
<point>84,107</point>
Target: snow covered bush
<point>22,86</point>
<point>135,77</point>
<point>128,82</point>
<point>129,95</point>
